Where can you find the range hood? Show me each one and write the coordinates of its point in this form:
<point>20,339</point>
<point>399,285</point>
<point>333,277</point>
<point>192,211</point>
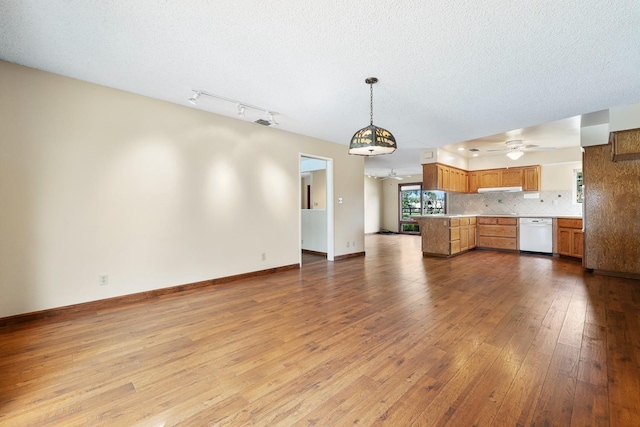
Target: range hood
<point>500,190</point>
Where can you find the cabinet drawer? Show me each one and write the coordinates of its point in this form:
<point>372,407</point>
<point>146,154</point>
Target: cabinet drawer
<point>455,247</point>
<point>569,223</point>
<point>508,221</point>
<point>464,221</point>
<point>487,220</point>
<point>497,230</point>
<point>472,220</point>
<point>497,242</point>
<point>454,222</point>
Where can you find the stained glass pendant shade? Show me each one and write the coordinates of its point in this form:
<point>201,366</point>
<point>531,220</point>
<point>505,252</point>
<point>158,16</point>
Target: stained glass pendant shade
<point>372,140</point>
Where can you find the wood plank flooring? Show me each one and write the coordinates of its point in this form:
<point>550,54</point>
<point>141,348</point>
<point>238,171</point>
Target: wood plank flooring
<point>483,339</point>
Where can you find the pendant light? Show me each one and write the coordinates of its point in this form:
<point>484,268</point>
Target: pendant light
<point>372,140</point>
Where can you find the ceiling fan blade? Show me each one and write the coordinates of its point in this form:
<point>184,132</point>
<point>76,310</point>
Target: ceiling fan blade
<point>536,148</point>
<point>397,177</point>
<point>499,149</point>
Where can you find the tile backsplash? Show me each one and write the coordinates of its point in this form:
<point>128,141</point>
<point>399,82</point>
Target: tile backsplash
<point>549,203</point>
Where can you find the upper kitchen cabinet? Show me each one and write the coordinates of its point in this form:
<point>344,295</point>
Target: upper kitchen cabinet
<point>625,145</point>
<point>531,178</point>
<point>436,176</point>
<point>527,177</point>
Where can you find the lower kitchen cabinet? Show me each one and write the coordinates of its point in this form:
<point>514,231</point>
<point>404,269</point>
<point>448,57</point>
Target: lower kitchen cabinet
<point>570,237</point>
<point>498,233</point>
<point>442,236</point>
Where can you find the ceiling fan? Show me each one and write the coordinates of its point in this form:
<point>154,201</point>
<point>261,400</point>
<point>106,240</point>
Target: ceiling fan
<point>516,148</point>
<point>393,175</point>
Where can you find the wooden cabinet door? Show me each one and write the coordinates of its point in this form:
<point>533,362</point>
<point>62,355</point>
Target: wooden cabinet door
<point>511,177</point>
<point>472,236</point>
<point>430,176</point>
<point>564,241</point>
<point>577,239</point>
<point>490,178</point>
<point>446,177</point>
<point>531,178</point>
<point>464,238</point>
<point>474,182</point>
<point>464,182</point>
<point>440,177</point>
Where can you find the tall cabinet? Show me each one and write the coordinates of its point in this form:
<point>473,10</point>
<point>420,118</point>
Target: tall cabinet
<point>611,206</point>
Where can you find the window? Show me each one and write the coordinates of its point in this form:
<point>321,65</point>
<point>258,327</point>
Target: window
<point>577,186</point>
<point>416,202</point>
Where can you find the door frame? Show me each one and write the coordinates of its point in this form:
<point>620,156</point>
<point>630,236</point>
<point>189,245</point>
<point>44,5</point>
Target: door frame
<point>330,207</point>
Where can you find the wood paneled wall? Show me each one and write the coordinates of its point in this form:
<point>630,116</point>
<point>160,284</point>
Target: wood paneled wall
<point>612,212</point>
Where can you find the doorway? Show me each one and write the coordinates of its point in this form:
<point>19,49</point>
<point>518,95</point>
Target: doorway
<point>316,208</point>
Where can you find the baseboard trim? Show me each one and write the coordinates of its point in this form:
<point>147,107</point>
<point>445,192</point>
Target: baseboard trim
<point>346,256</point>
<point>309,251</point>
<point>103,304</point>
<point>616,274</point>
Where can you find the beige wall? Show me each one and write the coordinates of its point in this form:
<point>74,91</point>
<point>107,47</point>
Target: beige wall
<point>319,189</point>
<point>96,181</point>
<point>372,205</point>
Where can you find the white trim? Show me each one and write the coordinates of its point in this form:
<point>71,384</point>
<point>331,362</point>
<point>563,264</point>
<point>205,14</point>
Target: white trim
<point>330,207</point>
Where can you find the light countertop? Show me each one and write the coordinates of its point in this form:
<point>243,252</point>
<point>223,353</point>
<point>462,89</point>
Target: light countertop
<point>501,216</point>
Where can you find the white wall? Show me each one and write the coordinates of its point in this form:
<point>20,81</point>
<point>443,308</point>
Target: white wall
<point>372,205</point>
<point>314,229</point>
<point>563,155</point>
<point>95,181</point>
<point>319,189</point>
<point>558,176</point>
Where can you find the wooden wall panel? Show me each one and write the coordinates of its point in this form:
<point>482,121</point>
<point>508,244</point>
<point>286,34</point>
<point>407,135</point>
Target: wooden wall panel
<point>612,212</point>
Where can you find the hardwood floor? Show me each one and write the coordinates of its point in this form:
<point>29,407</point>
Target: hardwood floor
<point>486,338</point>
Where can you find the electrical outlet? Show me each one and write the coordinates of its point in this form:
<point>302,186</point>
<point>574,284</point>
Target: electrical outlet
<point>353,244</point>
<point>348,244</point>
<point>103,279</point>
<point>264,256</point>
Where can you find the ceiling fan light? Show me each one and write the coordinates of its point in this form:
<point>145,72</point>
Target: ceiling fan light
<point>515,154</point>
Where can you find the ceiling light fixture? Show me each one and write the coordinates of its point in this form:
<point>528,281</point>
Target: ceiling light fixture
<point>515,154</point>
<point>242,106</point>
<point>372,140</point>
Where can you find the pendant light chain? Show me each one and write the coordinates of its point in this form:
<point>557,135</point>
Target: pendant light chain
<point>371,102</point>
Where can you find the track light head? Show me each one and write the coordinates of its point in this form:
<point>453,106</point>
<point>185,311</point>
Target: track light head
<point>272,121</point>
<point>194,99</point>
<point>241,110</point>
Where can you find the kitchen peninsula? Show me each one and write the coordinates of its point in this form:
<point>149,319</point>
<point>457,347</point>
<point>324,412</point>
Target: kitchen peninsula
<point>449,235</point>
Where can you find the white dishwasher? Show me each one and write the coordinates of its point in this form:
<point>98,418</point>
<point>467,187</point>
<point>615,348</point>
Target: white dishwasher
<point>536,235</point>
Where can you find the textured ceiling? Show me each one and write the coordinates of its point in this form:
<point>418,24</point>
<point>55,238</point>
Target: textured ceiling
<point>449,71</point>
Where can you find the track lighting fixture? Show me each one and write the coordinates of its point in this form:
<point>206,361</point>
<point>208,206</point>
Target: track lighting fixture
<point>194,99</point>
<point>242,107</point>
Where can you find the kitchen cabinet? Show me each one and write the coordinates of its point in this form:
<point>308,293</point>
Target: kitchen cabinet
<point>474,181</point>
<point>531,178</point>
<point>625,145</point>
<point>570,237</point>
<point>472,232</point>
<point>490,178</point>
<point>498,233</point>
<point>436,176</point>
<point>511,177</point>
<point>442,236</point>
